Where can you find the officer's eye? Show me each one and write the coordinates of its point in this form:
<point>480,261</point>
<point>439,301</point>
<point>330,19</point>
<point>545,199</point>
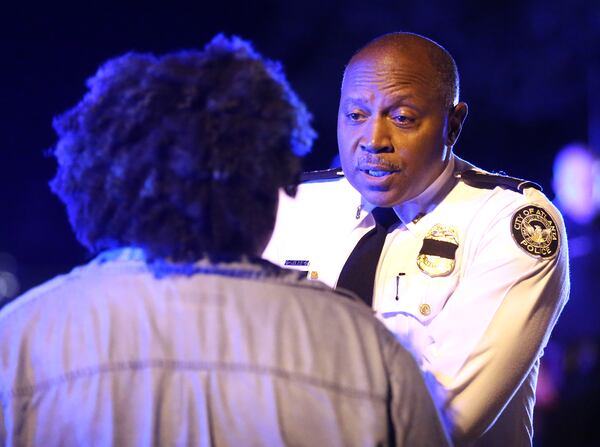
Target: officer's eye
<point>403,120</point>
<point>355,116</point>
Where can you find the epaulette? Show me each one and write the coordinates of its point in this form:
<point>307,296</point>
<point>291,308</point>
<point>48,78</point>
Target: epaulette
<point>325,174</point>
<point>487,180</point>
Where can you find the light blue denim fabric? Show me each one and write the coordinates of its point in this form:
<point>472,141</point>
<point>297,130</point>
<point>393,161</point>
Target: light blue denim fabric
<point>114,354</point>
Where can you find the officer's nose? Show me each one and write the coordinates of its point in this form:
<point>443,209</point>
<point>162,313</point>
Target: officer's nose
<point>376,137</point>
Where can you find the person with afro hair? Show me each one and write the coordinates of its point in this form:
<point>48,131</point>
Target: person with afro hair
<point>177,332</point>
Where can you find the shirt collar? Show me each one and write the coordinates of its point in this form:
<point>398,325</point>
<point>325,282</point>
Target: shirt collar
<point>427,201</point>
<point>424,203</point>
<point>245,267</point>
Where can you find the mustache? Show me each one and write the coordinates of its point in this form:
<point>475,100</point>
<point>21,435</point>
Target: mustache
<point>370,161</point>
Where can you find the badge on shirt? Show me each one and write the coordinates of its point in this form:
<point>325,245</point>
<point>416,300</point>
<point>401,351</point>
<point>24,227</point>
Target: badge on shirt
<point>437,255</point>
<point>535,232</point>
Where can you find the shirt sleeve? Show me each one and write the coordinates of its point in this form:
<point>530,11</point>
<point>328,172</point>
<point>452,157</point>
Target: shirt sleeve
<point>495,325</point>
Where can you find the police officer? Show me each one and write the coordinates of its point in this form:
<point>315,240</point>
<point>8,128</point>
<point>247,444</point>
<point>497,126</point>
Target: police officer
<point>471,270</point>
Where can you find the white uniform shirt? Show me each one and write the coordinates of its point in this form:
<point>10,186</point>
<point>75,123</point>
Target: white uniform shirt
<point>481,327</point>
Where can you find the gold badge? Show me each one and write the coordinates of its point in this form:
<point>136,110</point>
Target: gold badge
<point>314,275</point>
<point>535,232</point>
<point>437,255</point>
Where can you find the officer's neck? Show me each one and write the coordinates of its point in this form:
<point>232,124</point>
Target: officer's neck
<point>426,201</point>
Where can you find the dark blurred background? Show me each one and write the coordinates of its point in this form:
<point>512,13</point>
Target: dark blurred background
<point>530,73</point>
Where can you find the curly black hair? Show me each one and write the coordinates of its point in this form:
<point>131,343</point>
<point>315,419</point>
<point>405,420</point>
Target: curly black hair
<point>182,155</point>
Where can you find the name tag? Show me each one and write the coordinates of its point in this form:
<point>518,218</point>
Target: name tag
<point>297,262</point>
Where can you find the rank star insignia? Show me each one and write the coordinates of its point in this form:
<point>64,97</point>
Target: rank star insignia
<point>437,255</point>
<point>535,232</point>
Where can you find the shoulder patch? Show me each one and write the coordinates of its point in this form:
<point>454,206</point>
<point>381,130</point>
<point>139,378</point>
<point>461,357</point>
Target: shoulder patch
<point>325,174</point>
<point>488,180</point>
<point>535,232</point>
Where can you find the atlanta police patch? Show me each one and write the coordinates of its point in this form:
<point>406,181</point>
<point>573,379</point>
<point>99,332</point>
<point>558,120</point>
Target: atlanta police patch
<point>535,232</point>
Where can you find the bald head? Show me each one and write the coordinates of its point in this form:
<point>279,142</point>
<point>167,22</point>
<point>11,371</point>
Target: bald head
<point>398,120</point>
<point>438,62</point>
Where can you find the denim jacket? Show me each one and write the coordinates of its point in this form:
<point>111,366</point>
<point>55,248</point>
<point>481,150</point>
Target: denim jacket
<point>120,352</point>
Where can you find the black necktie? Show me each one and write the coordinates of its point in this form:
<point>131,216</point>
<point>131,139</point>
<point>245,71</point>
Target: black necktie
<point>358,274</point>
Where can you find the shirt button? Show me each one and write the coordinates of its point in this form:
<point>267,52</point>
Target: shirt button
<point>425,309</point>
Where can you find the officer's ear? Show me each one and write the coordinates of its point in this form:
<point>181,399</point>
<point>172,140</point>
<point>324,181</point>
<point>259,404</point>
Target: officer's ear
<point>456,118</point>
